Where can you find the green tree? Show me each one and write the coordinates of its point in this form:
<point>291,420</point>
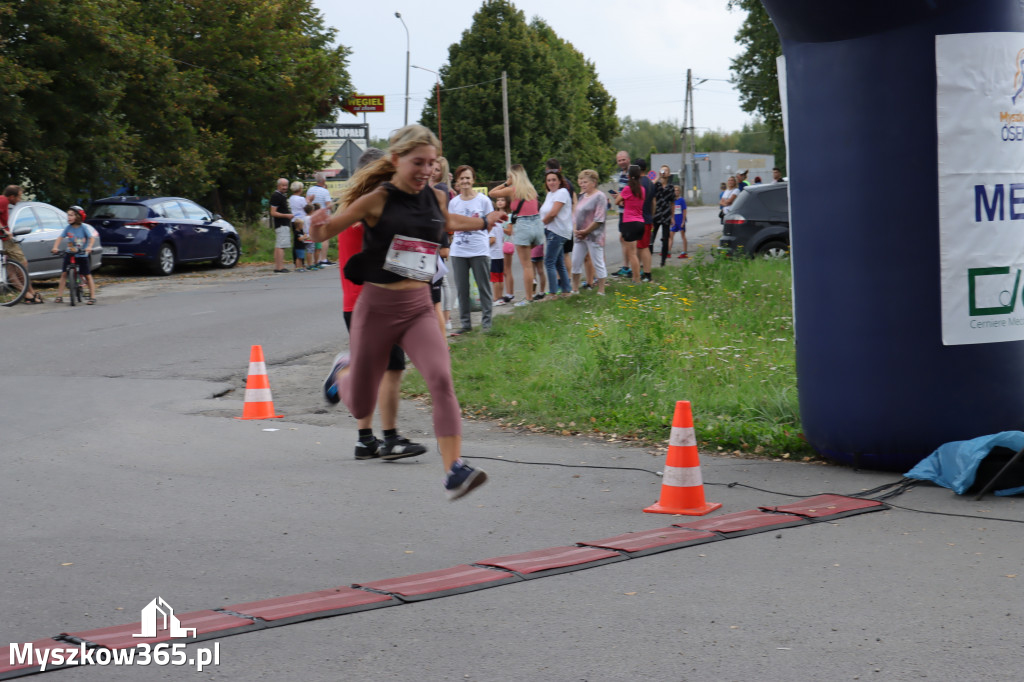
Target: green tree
<point>274,74</point>
<point>755,73</point>
<point>61,87</point>
<point>207,100</point>
<point>557,106</point>
<point>640,137</point>
<point>754,137</point>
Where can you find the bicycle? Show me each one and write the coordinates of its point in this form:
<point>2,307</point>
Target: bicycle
<point>13,276</point>
<point>73,278</point>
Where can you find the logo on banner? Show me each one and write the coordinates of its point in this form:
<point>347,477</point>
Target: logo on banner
<point>1018,78</point>
<point>1013,121</point>
<point>994,292</point>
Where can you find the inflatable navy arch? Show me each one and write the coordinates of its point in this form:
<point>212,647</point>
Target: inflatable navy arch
<point>909,323</point>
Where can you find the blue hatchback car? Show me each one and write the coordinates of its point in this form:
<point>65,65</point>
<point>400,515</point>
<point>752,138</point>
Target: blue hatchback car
<point>162,232</point>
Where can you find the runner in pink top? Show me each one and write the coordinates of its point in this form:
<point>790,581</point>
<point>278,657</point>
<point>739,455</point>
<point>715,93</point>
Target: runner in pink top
<point>632,222</point>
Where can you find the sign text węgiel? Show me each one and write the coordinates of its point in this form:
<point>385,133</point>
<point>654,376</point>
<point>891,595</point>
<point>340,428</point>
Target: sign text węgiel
<point>357,103</point>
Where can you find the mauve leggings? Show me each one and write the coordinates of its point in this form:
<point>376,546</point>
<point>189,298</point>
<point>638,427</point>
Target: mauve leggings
<point>383,318</point>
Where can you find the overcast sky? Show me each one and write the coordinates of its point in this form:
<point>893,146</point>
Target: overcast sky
<point>641,52</point>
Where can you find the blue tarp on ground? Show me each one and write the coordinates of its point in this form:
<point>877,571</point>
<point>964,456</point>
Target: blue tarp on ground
<point>955,465</point>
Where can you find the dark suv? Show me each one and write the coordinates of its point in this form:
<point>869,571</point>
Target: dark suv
<point>163,231</point>
<point>758,224</point>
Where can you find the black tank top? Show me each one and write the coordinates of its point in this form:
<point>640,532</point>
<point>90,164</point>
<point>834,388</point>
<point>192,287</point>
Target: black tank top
<point>410,215</point>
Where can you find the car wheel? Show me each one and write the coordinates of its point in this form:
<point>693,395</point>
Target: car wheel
<point>774,249</point>
<point>228,254</point>
<point>164,263</point>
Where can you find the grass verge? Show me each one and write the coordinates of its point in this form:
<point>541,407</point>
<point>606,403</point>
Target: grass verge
<point>718,332</point>
<point>258,244</point>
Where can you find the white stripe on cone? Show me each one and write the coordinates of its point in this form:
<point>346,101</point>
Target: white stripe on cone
<point>682,436</point>
<point>257,368</point>
<point>258,395</point>
<point>682,477</point>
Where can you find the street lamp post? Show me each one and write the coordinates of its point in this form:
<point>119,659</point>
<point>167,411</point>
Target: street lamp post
<point>399,15</point>
<point>440,138</point>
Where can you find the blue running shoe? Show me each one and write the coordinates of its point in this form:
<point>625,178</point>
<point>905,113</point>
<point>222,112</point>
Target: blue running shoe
<point>462,479</point>
<point>341,361</point>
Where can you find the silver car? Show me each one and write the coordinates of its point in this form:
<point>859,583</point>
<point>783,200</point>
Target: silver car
<point>46,222</point>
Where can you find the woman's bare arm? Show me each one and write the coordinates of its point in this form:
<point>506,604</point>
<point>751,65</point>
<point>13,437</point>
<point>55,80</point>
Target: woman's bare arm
<point>366,209</point>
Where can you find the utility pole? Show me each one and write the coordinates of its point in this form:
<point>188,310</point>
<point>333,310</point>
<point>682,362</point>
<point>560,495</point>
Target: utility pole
<point>684,170</point>
<point>689,177</point>
<point>504,108</point>
<point>692,168</point>
<point>407,43</point>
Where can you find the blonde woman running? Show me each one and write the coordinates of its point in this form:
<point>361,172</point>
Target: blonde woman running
<point>404,220</point>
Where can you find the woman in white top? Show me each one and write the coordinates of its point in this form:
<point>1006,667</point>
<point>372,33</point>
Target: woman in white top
<point>732,191</point>
<point>297,202</point>
<point>556,214</point>
<point>471,250</point>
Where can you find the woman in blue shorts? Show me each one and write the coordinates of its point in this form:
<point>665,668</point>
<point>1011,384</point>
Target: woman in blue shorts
<point>527,229</point>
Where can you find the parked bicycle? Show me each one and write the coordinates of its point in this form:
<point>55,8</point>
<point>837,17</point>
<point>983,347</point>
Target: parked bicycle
<point>13,276</point>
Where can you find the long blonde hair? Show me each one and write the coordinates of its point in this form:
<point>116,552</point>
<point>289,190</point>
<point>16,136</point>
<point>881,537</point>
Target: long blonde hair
<point>370,176</point>
<point>521,186</point>
<point>443,169</point>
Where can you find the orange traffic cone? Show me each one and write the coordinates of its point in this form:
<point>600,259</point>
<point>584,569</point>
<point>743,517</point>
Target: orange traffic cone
<point>682,488</point>
<point>259,404</point>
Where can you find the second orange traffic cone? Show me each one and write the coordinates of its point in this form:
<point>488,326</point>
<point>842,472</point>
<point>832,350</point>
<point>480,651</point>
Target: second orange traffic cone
<point>682,488</point>
<point>259,404</point>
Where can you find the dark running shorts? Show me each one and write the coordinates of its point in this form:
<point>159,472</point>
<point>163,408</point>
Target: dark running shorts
<point>631,231</point>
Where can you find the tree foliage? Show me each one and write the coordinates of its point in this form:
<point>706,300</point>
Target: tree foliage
<point>557,106</point>
<point>207,100</point>
<point>642,138</point>
<point>754,71</point>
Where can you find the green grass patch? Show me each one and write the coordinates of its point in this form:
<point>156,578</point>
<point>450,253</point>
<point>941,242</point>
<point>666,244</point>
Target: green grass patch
<point>717,332</point>
<point>258,244</point>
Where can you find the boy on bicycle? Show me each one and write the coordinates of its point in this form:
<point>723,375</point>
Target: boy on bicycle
<point>80,243</point>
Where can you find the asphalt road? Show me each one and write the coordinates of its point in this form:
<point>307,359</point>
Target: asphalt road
<point>124,477</point>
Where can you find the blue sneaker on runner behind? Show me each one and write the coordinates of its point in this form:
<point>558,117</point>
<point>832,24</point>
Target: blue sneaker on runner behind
<point>461,479</point>
<point>341,361</point>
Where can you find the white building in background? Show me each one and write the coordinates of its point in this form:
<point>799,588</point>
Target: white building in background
<point>712,170</point>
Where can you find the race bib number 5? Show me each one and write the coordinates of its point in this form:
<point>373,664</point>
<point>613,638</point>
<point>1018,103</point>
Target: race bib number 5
<point>412,258</point>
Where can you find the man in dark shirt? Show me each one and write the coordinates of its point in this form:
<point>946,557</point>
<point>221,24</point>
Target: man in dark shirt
<point>281,216</point>
<point>664,203</point>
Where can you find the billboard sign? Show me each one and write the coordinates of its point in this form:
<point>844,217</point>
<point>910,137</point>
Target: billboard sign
<point>357,103</point>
